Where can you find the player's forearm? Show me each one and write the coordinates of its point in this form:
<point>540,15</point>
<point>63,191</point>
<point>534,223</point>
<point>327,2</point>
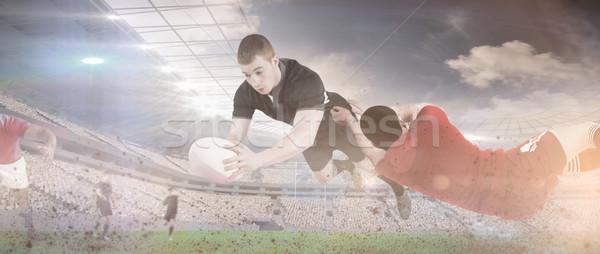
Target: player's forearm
<point>408,113</point>
<point>291,145</point>
<point>235,138</point>
<point>372,153</point>
<point>50,138</point>
<point>238,130</point>
<point>405,113</point>
<point>41,134</point>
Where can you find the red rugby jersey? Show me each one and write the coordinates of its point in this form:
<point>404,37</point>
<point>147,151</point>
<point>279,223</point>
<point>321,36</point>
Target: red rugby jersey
<point>11,129</point>
<point>435,159</point>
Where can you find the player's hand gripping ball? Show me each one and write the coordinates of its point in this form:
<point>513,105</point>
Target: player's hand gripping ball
<point>206,157</point>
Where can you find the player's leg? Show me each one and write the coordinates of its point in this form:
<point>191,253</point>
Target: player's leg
<point>320,161</point>
<point>106,226</point>
<point>171,227</point>
<point>99,222</point>
<point>350,147</point>
<point>403,202</point>
<point>330,136</point>
<point>14,176</point>
<point>16,179</point>
<point>577,138</point>
<point>585,161</point>
<point>105,212</point>
<point>319,155</point>
<point>21,196</point>
<point>347,165</point>
<point>326,173</point>
<point>346,143</point>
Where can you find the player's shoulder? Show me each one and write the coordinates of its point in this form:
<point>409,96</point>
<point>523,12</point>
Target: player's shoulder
<point>10,119</point>
<point>244,87</point>
<point>295,71</point>
<point>3,119</point>
<point>245,92</point>
<point>300,80</point>
<point>430,112</point>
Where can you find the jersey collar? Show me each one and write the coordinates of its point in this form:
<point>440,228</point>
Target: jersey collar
<point>274,94</point>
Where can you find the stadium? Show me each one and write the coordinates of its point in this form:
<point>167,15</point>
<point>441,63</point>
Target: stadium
<point>167,77</point>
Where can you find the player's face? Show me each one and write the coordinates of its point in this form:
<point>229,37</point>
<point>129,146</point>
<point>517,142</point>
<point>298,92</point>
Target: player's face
<point>262,74</point>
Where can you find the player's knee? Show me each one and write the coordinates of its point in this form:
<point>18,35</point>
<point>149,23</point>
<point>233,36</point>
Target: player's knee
<point>325,174</point>
<point>323,178</point>
<point>595,134</point>
<point>22,198</point>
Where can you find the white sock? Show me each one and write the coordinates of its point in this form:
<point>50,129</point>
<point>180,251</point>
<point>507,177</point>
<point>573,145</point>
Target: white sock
<point>575,139</point>
<point>573,166</point>
<point>593,130</point>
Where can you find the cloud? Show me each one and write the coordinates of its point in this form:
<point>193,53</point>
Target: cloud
<point>507,122</point>
<point>517,64</point>
<point>334,69</point>
<point>575,21</point>
<point>530,105</point>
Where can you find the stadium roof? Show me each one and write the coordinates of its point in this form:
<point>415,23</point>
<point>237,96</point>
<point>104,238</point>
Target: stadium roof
<point>197,40</point>
<point>176,56</point>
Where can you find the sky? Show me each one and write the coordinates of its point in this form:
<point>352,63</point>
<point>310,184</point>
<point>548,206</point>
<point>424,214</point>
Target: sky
<point>503,71</point>
<point>475,59</point>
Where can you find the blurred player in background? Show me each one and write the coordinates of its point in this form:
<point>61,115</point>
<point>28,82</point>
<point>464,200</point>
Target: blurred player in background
<point>171,202</point>
<point>13,172</point>
<point>104,202</point>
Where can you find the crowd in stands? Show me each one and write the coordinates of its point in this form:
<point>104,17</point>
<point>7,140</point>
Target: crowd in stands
<point>280,173</point>
<point>40,115</point>
<point>68,188</point>
<point>308,214</point>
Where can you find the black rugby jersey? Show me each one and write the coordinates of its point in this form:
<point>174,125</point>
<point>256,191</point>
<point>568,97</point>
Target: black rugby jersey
<point>300,88</point>
<point>171,202</point>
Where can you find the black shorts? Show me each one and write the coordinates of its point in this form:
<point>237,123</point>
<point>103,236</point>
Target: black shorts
<point>331,137</point>
<point>103,207</point>
<point>170,215</point>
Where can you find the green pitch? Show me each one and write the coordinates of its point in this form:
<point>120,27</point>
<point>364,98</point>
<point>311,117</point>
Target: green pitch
<point>285,242</point>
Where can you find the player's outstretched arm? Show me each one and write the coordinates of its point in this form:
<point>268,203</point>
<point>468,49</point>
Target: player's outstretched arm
<point>343,116</point>
<point>357,106</point>
<point>407,113</point>
<point>99,193</point>
<point>46,137</point>
<point>238,130</point>
<point>302,136</point>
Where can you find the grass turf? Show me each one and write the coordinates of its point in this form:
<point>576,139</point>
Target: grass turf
<point>285,242</point>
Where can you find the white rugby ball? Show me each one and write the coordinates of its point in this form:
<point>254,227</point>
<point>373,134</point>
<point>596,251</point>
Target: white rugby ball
<point>206,157</point>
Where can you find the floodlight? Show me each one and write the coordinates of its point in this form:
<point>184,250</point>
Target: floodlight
<point>93,60</point>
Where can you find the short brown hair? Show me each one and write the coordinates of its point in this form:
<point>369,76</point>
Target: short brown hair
<point>380,125</point>
<point>252,46</point>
